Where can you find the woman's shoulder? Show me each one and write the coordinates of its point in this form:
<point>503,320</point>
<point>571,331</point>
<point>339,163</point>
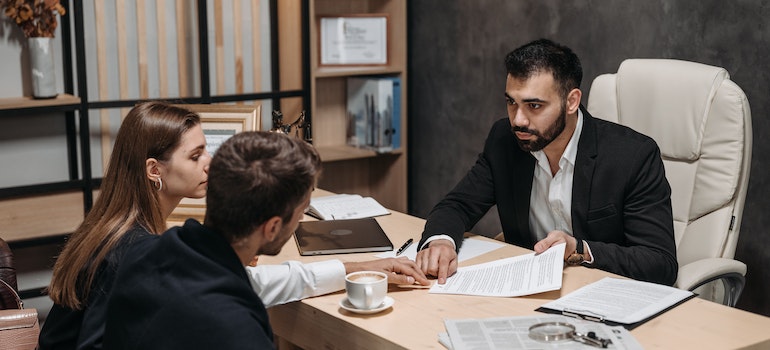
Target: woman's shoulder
<point>137,235</point>
<point>138,231</point>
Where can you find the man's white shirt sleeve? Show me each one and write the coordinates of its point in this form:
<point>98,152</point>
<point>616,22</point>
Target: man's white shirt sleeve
<point>437,237</point>
<point>293,280</point>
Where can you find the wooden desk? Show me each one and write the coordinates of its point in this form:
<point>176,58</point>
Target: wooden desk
<point>417,317</point>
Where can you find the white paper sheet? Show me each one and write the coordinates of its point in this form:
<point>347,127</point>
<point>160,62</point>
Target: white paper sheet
<point>511,277</point>
<point>471,248</point>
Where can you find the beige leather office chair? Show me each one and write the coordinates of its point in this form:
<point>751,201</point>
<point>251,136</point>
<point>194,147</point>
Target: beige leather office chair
<point>702,122</point>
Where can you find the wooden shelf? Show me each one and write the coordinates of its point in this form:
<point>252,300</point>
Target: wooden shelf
<point>342,152</point>
<point>30,102</point>
<point>333,72</point>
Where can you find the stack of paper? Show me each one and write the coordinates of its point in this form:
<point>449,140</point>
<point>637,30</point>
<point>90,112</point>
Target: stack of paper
<point>345,206</point>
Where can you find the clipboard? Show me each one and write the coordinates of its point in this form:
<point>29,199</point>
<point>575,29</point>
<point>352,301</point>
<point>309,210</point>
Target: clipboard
<point>589,316</point>
<point>622,288</point>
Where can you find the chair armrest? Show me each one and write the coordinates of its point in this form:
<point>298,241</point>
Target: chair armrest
<point>695,273</point>
<point>728,272</point>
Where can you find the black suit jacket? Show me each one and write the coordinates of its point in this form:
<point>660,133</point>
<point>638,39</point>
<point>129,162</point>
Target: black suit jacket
<point>621,200</point>
<point>186,289</point>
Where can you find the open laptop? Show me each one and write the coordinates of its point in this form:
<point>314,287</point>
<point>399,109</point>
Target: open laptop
<point>341,236</point>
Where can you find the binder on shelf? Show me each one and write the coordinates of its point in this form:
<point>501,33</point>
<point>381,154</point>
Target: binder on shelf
<point>374,113</point>
<point>396,121</point>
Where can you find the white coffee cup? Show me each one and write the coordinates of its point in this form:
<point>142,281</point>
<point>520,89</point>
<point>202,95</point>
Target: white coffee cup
<point>366,289</point>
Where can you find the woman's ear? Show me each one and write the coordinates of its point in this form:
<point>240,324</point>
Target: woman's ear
<point>152,169</point>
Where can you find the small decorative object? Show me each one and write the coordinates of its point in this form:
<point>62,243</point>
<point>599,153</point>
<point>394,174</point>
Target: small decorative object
<point>300,123</point>
<point>37,19</point>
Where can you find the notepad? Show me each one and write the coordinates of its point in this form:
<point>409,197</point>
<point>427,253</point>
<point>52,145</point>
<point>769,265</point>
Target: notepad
<point>345,206</point>
<point>341,236</point>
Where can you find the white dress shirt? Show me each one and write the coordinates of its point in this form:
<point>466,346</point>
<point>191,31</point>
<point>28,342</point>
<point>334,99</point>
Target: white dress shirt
<point>293,280</point>
<point>551,198</point>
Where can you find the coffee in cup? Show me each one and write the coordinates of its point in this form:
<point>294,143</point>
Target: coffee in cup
<point>366,290</point>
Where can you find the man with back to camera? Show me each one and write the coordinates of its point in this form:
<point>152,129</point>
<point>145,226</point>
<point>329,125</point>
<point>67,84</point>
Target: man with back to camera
<point>559,175</point>
<point>188,288</point>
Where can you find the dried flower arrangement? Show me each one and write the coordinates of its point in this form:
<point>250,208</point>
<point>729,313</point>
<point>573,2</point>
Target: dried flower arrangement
<point>36,18</point>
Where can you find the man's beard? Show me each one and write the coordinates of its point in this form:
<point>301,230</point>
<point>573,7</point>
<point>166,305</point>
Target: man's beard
<point>541,139</point>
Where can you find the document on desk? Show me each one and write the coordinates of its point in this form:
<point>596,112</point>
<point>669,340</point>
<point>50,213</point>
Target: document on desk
<point>619,301</point>
<point>511,277</point>
<point>470,249</point>
<point>513,333</point>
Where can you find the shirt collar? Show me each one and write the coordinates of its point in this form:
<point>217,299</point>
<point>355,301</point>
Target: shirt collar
<point>570,152</point>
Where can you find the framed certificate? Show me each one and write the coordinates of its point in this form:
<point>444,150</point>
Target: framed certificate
<point>354,40</point>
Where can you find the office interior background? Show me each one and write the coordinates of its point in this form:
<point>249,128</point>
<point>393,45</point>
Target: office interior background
<point>456,83</point>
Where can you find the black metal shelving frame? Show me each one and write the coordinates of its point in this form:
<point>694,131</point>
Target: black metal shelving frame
<point>77,114</point>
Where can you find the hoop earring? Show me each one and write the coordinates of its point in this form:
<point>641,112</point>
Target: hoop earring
<point>159,184</point>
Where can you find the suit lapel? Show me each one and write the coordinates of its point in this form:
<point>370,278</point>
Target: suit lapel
<point>522,188</point>
<point>585,162</point>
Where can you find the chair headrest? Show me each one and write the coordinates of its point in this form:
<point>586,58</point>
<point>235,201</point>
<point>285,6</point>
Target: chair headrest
<point>668,100</point>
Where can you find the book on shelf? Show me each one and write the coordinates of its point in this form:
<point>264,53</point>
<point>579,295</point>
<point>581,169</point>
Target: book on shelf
<point>374,113</point>
<point>618,302</point>
<point>341,236</point>
<point>345,206</point>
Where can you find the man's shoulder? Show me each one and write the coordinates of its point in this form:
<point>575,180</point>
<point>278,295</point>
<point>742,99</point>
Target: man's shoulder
<point>614,133</point>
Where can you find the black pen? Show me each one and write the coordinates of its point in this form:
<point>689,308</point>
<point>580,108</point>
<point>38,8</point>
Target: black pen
<point>403,247</point>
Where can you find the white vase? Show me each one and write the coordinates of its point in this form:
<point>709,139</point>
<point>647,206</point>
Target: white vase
<point>43,70</point>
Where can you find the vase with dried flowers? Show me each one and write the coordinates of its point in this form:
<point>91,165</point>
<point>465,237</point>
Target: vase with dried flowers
<point>37,19</point>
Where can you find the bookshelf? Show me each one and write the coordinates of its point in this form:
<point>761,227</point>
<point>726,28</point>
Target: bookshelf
<point>349,169</point>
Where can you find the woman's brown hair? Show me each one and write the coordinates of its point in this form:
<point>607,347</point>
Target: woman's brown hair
<point>127,198</point>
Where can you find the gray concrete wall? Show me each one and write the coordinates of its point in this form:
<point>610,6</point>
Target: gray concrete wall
<point>457,79</point>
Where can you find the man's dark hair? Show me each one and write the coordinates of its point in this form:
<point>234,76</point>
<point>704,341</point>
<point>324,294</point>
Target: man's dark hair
<point>544,55</point>
<point>255,176</point>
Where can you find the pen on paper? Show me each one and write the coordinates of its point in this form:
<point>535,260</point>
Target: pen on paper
<point>403,247</point>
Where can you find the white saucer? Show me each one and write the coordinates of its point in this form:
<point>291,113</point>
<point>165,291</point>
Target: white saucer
<point>386,303</point>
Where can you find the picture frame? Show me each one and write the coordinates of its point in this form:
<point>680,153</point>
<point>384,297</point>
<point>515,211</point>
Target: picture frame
<point>353,40</point>
<point>219,123</point>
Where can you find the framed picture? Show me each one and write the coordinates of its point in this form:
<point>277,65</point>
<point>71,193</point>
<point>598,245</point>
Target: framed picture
<point>354,40</point>
<point>219,123</point>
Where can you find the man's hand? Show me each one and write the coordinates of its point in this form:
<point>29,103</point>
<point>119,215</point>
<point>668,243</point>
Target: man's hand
<point>438,259</point>
<point>400,270</point>
<point>556,237</point>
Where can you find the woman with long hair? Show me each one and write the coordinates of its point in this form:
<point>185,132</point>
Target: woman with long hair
<point>158,158</point>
